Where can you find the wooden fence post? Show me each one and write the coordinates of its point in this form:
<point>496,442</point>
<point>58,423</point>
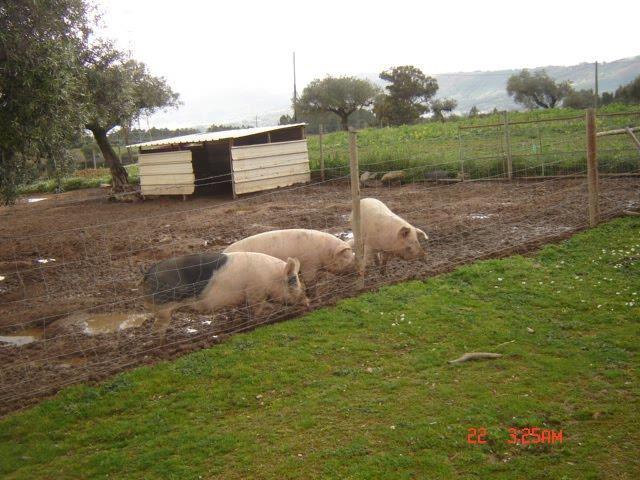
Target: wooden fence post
<point>321,154</point>
<point>592,168</point>
<point>355,198</point>
<point>507,141</point>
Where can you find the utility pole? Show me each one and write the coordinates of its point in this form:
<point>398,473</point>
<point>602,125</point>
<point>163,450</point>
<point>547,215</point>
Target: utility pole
<point>295,91</point>
<point>596,89</point>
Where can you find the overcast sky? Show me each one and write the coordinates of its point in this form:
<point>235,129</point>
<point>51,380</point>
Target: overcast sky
<point>230,60</point>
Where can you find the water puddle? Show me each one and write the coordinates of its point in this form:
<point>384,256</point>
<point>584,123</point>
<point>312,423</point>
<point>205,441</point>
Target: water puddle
<point>34,200</point>
<point>45,260</point>
<point>113,322</point>
<point>22,337</point>
<point>99,323</point>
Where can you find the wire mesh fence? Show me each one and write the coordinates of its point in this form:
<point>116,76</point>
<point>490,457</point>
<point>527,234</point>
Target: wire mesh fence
<point>71,303</point>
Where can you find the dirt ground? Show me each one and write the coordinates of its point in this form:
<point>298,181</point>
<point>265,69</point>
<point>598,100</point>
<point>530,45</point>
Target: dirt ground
<point>78,254</point>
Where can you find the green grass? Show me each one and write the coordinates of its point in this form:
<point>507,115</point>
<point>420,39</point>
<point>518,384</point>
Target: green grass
<point>363,389</point>
<point>550,148</point>
<point>77,182</point>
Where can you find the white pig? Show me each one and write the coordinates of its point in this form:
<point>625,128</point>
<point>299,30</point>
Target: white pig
<point>211,281</point>
<point>317,251</point>
<point>385,235</point>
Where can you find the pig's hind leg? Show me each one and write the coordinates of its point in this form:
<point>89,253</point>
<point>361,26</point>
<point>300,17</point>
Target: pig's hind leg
<point>162,320</point>
<point>383,258</point>
<point>380,259</point>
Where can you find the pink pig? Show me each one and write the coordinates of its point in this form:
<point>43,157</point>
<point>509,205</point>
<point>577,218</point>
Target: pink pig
<point>317,251</point>
<point>386,235</point>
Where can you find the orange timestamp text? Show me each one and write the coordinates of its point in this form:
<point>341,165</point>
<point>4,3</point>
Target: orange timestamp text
<point>517,436</point>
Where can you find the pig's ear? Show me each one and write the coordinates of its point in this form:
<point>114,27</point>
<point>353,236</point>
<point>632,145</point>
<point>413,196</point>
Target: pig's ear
<point>404,232</point>
<point>420,232</point>
<point>292,267</point>
<point>343,250</point>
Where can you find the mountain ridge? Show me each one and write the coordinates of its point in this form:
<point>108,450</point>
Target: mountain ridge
<point>486,89</point>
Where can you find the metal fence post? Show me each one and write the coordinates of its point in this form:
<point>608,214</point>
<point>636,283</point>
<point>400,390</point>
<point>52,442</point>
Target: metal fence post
<point>540,157</point>
<point>355,198</point>
<point>507,141</point>
<point>460,154</point>
<point>592,168</point>
<point>321,153</point>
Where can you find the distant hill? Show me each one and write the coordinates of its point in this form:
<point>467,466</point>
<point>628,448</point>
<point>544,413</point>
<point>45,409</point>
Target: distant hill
<point>487,90</point>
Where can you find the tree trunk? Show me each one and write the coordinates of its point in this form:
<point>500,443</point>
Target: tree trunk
<point>344,120</point>
<point>8,180</point>
<point>119,176</point>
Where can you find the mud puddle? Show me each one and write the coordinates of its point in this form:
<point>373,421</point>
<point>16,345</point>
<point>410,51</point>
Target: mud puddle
<point>100,323</point>
<point>89,323</point>
<point>22,337</point>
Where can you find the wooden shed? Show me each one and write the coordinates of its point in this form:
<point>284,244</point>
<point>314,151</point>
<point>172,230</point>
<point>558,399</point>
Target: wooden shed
<point>231,161</point>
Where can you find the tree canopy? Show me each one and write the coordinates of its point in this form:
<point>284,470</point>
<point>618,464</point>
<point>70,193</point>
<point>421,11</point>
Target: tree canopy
<point>339,95</point>
<point>409,92</point>
<point>629,93</point>
<point>579,99</point>
<point>441,106</point>
<point>537,90</point>
<point>41,89</point>
<point>219,128</point>
<point>56,80</point>
<point>118,91</point>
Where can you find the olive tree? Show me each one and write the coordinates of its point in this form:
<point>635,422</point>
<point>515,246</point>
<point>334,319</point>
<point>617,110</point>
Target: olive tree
<point>537,90</point>
<point>407,96</point>
<point>442,105</point>
<point>41,108</point>
<point>339,95</point>
<point>118,91</point>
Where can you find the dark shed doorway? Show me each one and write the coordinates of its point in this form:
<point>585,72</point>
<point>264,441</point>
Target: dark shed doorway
<point>212,168</point>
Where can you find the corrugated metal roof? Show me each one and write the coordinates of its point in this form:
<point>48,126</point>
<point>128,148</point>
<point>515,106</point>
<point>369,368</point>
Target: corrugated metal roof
<point>214,136</point>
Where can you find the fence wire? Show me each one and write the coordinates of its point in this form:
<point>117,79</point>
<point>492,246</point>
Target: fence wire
<point>70,264</point>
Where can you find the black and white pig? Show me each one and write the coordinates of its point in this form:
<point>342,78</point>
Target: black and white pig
<point>211,281</point>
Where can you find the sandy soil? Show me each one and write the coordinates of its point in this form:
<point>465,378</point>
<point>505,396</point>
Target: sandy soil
<point>79,254</point>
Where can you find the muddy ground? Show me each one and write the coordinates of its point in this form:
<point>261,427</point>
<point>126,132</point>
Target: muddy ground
<point>78,255</point>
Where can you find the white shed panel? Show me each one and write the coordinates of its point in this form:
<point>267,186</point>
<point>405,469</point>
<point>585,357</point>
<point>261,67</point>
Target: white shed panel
<point>166,173</point>
<point>269,165</point>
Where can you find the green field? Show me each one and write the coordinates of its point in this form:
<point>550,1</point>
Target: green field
<point>555,147</point>
<point>88,178</point>
<point>550,148</point>
<point>363,389</point>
